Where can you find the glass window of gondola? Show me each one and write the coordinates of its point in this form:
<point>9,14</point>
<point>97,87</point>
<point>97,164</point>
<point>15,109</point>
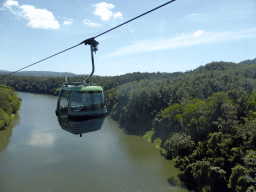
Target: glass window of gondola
<point>63,102</point>
<point>97,100</point>
<point>87,100</point>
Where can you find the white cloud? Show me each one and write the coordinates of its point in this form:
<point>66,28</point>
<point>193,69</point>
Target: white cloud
<point>69,22</point>
<point>118,15</point>
<point>103,10</point>
<point>10,3</point>
<point>183,40</point>
<point>2,9</point>
<point>198,33</point>
<point>37,18</point>
<point>91,24</point>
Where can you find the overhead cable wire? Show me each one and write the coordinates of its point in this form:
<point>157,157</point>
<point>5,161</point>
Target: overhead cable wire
<point>135,18</point>
<point>42,60</point>
<point>92,37</point>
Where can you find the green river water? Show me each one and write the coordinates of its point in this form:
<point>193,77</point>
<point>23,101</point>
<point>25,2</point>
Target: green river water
<point>37,155</point>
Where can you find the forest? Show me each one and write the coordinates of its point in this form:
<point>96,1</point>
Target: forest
<point>203,120</point>
<point>9,105</point>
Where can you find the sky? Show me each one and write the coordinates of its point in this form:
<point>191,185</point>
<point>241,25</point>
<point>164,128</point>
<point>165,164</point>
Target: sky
<point>180,36</point>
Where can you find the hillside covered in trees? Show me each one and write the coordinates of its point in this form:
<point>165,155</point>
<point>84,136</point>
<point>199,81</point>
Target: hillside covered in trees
<point>204,120</point>
<point>9,105</point>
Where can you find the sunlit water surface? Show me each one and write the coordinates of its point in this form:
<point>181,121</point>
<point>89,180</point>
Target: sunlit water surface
<point>37,155</point>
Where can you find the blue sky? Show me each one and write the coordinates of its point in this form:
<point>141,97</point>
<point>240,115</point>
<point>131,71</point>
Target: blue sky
<point>178,37</point>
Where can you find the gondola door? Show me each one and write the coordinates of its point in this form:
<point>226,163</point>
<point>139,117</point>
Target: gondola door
<point>63,104</point>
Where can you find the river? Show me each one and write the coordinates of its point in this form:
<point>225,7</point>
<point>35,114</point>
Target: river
<point>37,155</point>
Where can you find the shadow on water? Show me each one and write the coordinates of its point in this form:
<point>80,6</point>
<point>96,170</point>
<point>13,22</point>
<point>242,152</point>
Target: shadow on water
<point>7,132</point>
<point>172,181</point>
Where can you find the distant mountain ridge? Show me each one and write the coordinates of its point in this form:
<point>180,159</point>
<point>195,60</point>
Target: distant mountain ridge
<point>221,65</point>
<point>42,73</point>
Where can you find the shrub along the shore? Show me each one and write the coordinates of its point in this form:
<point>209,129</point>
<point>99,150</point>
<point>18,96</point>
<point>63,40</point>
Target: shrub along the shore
<point>9,105</point>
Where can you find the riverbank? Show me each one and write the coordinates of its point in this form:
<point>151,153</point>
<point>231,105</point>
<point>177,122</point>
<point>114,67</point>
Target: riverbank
<point>44,157</point>
<point>9,105</point>
<point>6,133</point>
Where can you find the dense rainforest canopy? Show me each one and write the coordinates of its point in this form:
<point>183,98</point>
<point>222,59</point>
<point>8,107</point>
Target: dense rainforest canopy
<point>204,120</point>
<point>9,105</point>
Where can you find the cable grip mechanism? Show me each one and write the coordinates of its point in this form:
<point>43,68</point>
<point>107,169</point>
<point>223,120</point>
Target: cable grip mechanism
<point>92,42</point>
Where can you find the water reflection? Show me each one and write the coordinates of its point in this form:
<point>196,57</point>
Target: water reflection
<point>42,139</point>
<point>7,132</point>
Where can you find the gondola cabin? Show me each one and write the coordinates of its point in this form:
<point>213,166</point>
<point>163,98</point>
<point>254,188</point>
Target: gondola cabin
<point>81,108</point>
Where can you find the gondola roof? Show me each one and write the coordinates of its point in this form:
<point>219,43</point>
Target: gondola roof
<point>88,88</point>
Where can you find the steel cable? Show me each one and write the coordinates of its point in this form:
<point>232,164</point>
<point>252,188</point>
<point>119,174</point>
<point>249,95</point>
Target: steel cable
<point>92,38</point>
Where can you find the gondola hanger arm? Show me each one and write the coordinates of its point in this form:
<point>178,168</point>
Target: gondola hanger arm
<point>91,41</point>
<point>93,46</point>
